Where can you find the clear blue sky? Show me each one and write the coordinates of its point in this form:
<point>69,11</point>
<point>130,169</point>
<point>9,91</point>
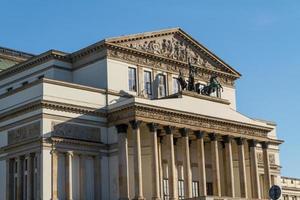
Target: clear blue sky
<point>259,38</point>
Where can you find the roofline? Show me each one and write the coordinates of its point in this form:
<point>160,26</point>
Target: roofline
<point>210,52</point>
<point>286,177</point>
<point>35,60</point>
<point>143,34</point>
<point>13,52</point>
<point>171,30</point>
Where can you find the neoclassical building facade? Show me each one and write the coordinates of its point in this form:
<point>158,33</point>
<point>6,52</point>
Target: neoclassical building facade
<point>111,121</point>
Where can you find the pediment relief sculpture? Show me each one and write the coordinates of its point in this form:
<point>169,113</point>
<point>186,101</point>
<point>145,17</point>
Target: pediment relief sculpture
<point>173,48</point>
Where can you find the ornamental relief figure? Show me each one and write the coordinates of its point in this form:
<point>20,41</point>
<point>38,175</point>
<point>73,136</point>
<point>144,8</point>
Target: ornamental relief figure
<point>171,48</point>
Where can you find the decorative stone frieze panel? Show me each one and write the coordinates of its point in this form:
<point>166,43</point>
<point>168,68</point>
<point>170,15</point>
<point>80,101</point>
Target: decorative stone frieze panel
<point>75,131</point>
<point>23,133</point>
<point>271,158</point>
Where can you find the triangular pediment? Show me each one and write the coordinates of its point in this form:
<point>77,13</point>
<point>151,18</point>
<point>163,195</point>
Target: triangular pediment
<point>174,44</point>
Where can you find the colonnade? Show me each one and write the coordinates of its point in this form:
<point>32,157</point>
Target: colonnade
<point>22,177</point>
<point>68,190</point>
<point>168,137</point>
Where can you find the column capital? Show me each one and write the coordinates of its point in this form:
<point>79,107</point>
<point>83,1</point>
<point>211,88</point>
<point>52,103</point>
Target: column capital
<point>122,128</point>
<point>227,139</point>
<point>240,141</point>
<point>152,127</point>
<point>135,124</point>
<point>184,132</point>
<point>169,129</point>
<point>264,145</point>
<point>199,134</point>
<point>70,153</point>
<point>54,152</point>
<point>252,143</point>
<point>213,136</point>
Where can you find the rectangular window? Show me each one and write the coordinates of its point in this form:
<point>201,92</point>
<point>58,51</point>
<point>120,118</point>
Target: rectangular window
<point>147,82</point>
<point>195,188</point>
<point>161,85</point>
<point>132,79</point>
<point>181,189</point>
<point>166,189</point>
<point>175,85</point>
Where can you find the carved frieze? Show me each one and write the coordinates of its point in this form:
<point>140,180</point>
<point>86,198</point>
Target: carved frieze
<point>271,158</point>
<point>171,47</point>
<point>23,133</point>
<point>75,131</point>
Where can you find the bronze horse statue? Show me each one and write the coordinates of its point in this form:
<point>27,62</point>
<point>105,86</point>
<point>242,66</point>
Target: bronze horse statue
<point>213,86</point>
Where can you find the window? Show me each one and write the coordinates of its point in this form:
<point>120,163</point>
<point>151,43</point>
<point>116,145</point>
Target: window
<point>161,85</point>
<point>132,79</point>
<point>166,189</point>
<point>180,189</point>
<point>175,85</point>
<point>147,82</point>
<point>195,189</point>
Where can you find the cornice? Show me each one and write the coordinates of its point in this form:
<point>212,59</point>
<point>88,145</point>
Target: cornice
<point>182,34</point>
<point>15,53</point>
<point>199,96</point>
<point>54,82</point>
<point>36,60</point>
<point>40,104</point>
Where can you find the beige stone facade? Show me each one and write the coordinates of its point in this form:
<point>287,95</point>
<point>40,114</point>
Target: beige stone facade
<point>110,122</point>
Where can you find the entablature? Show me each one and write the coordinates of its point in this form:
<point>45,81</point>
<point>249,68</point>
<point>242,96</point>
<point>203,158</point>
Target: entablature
<point>179,119</point>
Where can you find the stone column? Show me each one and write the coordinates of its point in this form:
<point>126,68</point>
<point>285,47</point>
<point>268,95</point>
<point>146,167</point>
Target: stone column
<point>242,167</point>
<point>29,177</point>
<point>229,166</point>
<point>97,179</point>
<point>173,189</point>
<point>215,165</point>
<point>69,180</point>
<point>201,163</point>
<point>9,178</point>
<point>54,156</point>
<point>137,159</point>
<point>38,175</point>
<point>186,163</point>
<point>82,166</point>
<point>160,163</point>
<point>155,166</point>
<point>123,161</point>
<point>267,176</point>
<point>254,170</point>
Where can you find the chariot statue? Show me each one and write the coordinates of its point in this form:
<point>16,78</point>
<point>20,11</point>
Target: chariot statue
<point>212,87</point>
